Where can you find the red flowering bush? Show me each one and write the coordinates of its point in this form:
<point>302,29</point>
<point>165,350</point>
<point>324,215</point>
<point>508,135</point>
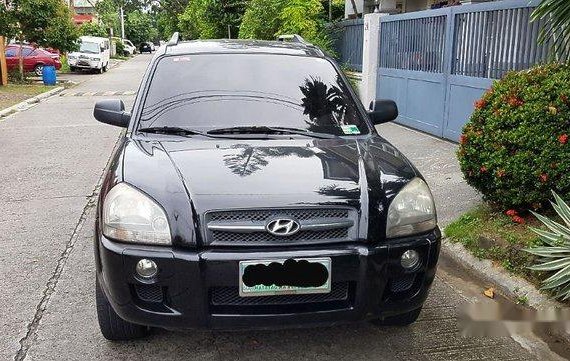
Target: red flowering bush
<point>516,148</point>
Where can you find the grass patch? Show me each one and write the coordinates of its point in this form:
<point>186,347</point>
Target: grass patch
<point>14,93</point>
<point>489,234</point>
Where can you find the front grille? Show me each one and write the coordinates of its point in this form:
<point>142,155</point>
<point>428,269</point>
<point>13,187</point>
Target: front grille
<point>265,214</point>
<point>336,225</point>
<point>264,237</point>
<point>229,296</point>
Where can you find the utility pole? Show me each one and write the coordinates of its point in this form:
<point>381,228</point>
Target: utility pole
<point>330,11</point>
<point>122,23</point>
<point>3,69</point>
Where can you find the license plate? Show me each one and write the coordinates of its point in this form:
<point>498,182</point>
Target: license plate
<point>284,277</point>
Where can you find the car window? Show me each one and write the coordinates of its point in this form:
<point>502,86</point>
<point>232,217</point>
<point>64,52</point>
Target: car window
<point>27,51</point>
<point>11,52</point>
<point>89,47</point>
<point>220,90</point>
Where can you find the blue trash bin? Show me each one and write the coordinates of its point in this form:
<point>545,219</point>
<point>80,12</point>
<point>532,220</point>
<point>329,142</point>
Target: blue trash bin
<point>48,75</point>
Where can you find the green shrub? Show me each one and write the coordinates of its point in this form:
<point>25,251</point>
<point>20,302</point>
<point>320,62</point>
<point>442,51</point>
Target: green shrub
<point>515,147</point>
<point>119,48</point>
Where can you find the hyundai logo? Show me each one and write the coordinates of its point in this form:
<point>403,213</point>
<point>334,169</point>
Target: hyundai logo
<point>283,227</point>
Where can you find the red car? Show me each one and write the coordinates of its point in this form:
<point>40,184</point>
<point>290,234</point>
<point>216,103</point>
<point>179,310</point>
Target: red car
<point>34,58</point>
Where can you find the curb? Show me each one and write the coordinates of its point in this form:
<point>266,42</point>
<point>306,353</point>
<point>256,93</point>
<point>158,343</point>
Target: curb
<point>510,285</point>
<point>29,102</point>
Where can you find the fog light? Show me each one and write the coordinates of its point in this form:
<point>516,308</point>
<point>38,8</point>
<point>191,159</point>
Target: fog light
<point>146,268</point>
<point>410,259</point>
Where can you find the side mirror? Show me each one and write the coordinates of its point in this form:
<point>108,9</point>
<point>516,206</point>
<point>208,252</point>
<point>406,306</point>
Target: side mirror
<point>383,111</point>
<point>112,112</point>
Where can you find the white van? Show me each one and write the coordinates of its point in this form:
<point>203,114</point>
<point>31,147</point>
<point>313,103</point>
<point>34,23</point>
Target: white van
<point>93,54</point>
<point>130,49</point>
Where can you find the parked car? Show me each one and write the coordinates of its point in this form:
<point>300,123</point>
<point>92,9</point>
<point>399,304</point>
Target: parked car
<point>93,54</point>
<point>130,49</point>
<point>34,58</point>
<point>275,204</point>
<point>146,47</point>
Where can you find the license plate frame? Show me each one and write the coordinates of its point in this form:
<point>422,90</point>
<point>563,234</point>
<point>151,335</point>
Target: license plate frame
<point>263,291</point>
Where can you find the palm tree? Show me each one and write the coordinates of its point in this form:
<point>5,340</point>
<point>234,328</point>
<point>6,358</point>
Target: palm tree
<point>556,28</point>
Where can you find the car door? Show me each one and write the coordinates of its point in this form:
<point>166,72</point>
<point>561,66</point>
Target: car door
<point>29,59</point>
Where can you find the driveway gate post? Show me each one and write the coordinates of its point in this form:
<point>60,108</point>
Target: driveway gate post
<point>371,51</point>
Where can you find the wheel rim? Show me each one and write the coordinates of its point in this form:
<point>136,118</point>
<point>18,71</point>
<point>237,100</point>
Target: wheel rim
<point>39,70</point>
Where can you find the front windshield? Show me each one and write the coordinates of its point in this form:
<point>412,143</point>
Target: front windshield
<point>212,91</point>
<point>88,47</point>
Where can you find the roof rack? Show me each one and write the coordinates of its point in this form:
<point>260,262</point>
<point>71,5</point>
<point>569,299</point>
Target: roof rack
<point>294,38</point>
<point>174,39</point>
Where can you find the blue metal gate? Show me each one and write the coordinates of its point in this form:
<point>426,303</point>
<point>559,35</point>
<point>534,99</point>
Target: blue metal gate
<point>348,43</point>
<point>437,63</point>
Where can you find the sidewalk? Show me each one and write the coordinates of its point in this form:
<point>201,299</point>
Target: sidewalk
<point>435,158</point>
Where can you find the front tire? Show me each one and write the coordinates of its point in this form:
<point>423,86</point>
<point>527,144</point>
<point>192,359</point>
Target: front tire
<point>72,69</point>
<point>112,326</point>
<point>405,319</point>
<point>105,68</point>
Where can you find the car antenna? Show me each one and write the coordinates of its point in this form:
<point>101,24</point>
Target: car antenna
<point>294,38</point>
<point>174,39</point>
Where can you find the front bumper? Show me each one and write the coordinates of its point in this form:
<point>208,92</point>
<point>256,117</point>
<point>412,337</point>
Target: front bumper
<point>85,64</point>
<point>183,296</point>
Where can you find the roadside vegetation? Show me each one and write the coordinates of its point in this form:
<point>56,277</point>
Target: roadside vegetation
<point>12,94</point>
<point>515,150</point>
<point>491,234</point>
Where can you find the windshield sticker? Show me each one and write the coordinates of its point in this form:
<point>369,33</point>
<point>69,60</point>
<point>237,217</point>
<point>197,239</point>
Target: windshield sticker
<point>350,129</point>
<point>181,58</point>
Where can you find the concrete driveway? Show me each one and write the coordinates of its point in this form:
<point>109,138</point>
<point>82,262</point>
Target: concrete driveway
<point>53,156</point>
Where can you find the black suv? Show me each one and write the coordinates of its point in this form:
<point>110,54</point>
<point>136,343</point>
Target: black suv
<point>251,190</point>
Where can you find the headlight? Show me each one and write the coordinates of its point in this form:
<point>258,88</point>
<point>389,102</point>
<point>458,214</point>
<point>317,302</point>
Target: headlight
<point>71,57</point>
<point>95,59</point>
<point>412,211</point>
<point>131,216</point>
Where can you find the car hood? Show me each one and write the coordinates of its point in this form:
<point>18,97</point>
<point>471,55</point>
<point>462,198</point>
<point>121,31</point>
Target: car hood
<point>220,174</point>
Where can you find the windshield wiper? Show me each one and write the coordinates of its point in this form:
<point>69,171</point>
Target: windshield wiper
<point>270,130</point>
<point>171,130</point>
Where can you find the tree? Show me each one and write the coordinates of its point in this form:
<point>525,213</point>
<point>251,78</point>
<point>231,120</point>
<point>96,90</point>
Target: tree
<point>45,22</point>
<point>265,19</point>
<point>212,19</point>
<point>62,33</point>
<point>93,29</point>
<point>166,14</point>
<point>139,27</point>
<point>261,20</point>
<point>556,16</point>
<point>108,14</point>
<point>301,17</point>
<point>8,22</point>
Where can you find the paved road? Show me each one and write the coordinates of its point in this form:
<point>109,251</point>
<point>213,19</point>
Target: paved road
<point>53,156</point>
